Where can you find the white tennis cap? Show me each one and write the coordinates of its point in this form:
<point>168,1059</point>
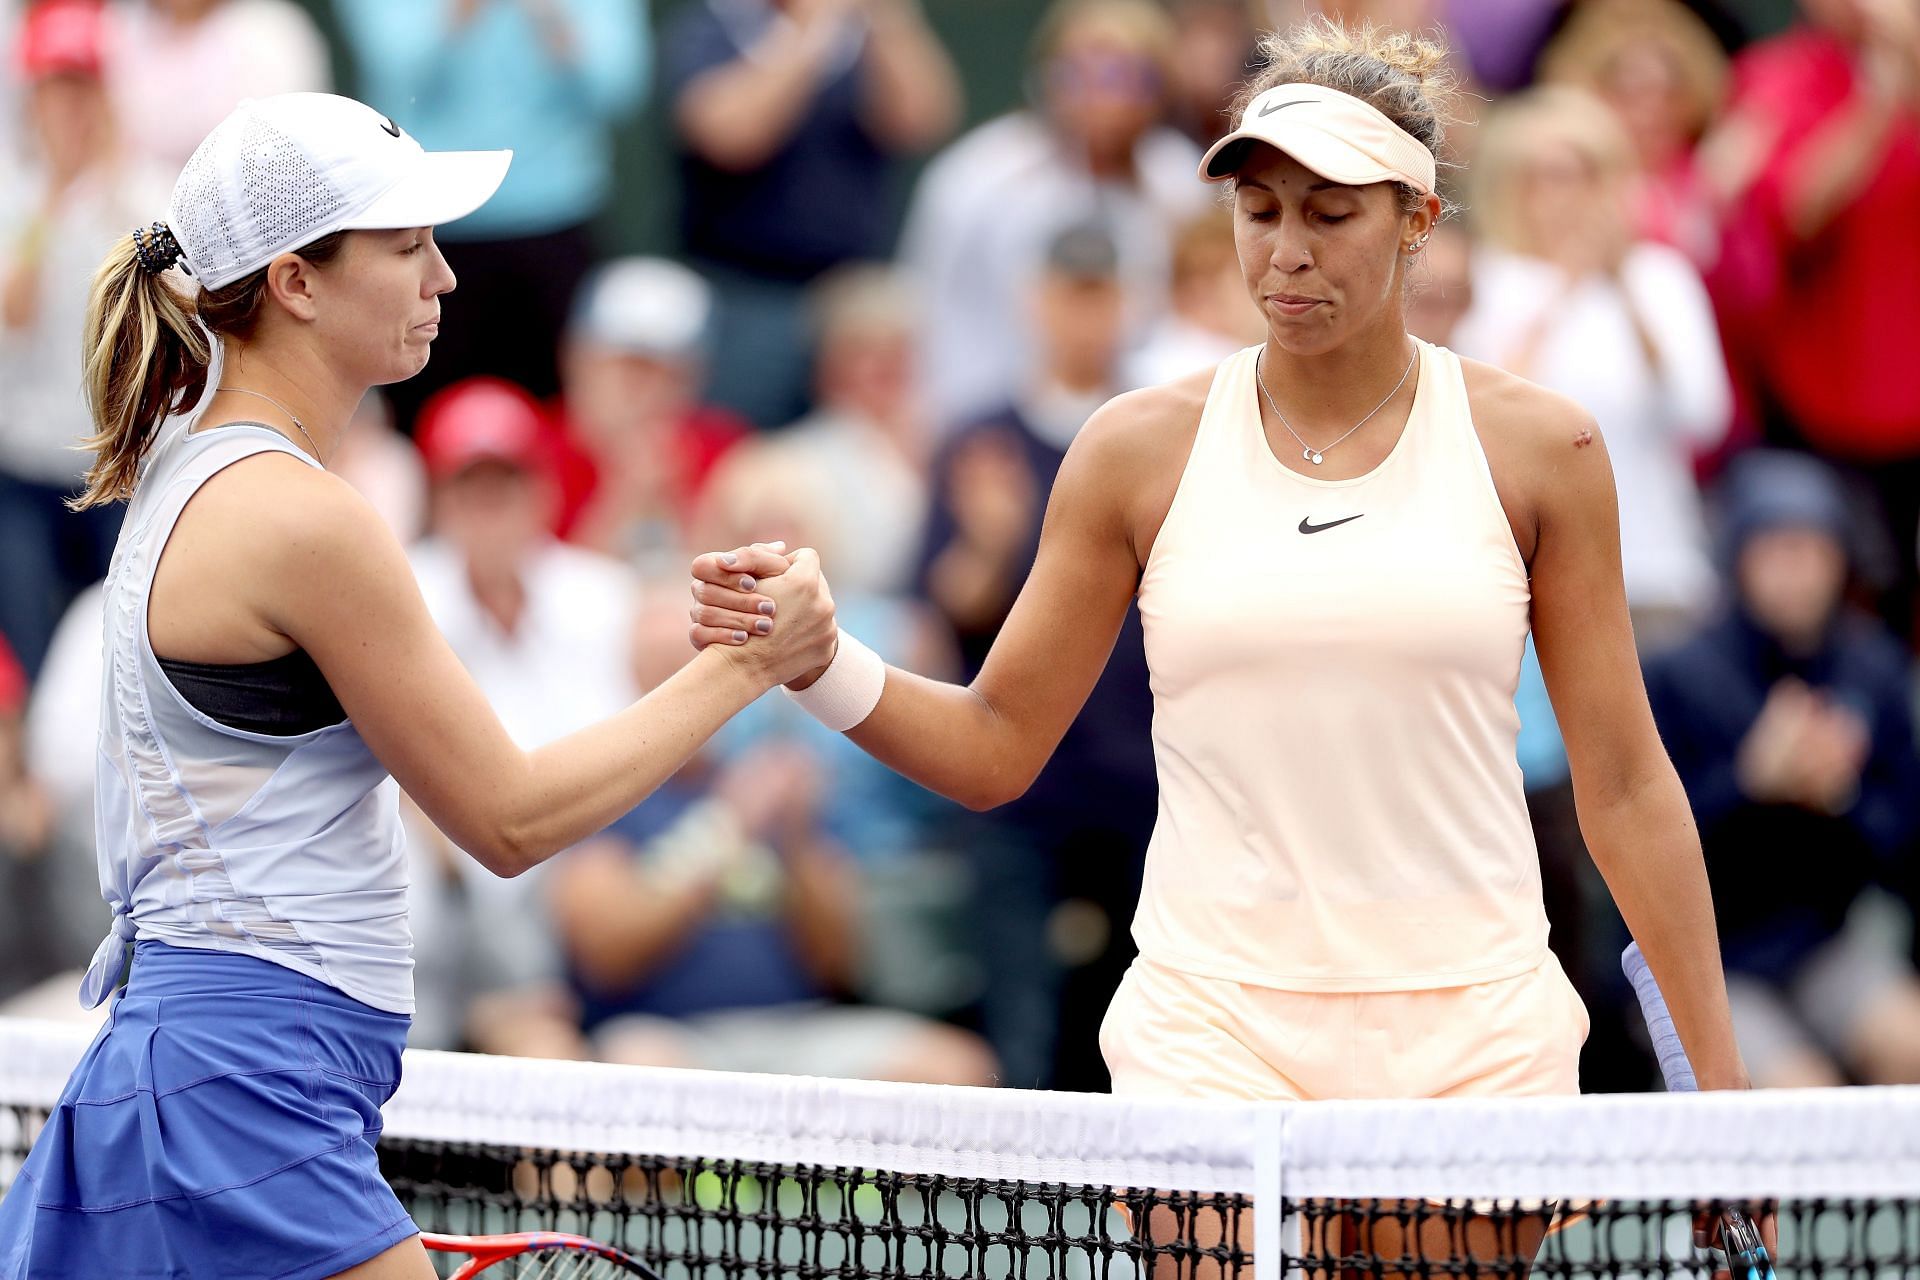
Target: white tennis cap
<point>1335,134</point>
<point>281,172</point>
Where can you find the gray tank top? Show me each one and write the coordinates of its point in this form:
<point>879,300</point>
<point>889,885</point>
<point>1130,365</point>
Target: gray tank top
<point>285,848</point>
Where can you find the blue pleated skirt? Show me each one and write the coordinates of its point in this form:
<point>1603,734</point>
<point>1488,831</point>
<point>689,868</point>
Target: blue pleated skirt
<point>222,1124</point>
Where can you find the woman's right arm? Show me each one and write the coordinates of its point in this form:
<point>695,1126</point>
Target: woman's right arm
<point>341,588</point>
<point>983,745</point>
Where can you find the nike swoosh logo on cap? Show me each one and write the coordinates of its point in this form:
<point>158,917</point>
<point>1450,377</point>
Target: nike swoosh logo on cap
<point>391,127</point>
<point>1272,107</point>
<point>1307,525</point>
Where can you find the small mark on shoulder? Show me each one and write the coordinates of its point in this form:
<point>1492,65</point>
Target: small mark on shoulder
<point>1583,437</point>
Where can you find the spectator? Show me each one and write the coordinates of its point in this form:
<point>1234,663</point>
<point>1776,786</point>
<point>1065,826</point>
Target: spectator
<point>179,66</point>
<point>1213,49</point>
<point>550,79</point>
<point>792,117</point>
<point>24,828</point>
<point>82,191</point>
<point>714,925</point>
<point>639,442</point>
<point>869,434</point>
<point>543,629</point>
<point>1566,296</point>
<point>1823,145</point>
<point>1209,314</point>
<point>1663,73</point>
<point>1091,145</point>
<point>62,748</point>
<point>898,834</point>
<point>1789,721</point>
<point>1058,876</point>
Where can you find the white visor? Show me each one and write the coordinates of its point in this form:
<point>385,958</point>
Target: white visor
<point>1335,134</point>
<point>282,172</point>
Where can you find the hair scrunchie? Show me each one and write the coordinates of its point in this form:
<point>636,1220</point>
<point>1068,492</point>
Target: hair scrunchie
<point>156,247</point>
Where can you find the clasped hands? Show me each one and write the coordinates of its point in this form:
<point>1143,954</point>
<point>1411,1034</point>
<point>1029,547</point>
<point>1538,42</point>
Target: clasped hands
<point>767,609</point>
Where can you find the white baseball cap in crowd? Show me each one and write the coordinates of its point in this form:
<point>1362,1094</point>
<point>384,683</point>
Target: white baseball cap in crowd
<point>643,306</point>
<point>1338,136</point>
<point>282,172</point>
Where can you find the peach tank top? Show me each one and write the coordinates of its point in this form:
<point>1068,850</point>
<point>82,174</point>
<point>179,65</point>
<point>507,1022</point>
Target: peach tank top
<point>1333,666</point>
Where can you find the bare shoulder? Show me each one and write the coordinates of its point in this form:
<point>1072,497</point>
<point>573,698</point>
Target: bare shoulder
<point>1150,420</point>
<point>1132,452</point>
<point>1524,418</point>
<point>1545,450</point>
<point>295,525</point>
<point>290,504</point>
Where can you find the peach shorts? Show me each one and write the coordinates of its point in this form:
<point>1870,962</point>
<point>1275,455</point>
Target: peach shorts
<point>1170,1033</point>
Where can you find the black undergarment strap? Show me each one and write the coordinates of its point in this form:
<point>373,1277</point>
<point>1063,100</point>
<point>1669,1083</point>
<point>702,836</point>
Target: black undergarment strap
<point>282,696</point>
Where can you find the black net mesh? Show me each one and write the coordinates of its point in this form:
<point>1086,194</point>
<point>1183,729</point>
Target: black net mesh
<point>730,1218</point>
<point>733,1219</point>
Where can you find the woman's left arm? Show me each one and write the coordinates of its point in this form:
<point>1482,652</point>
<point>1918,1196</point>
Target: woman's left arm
<point>1633,811</point>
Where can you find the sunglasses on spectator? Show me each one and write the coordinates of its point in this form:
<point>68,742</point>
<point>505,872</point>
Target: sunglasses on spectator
<point>1130,74</point>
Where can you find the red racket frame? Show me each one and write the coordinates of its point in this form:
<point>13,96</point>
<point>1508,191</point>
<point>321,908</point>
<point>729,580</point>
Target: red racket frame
<point>487,1250</point>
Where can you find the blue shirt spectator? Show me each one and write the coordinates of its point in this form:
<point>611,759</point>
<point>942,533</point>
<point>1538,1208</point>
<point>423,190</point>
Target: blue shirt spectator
<point>1789,722</point>
<point>790,116</point>
<point>547,78</point>
<point>741,956</point>
<point>768,219</point>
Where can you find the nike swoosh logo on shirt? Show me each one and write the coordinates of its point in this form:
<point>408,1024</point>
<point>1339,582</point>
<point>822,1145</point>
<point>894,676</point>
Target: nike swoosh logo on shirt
<point>392,128</point>
<point>1272,107</point>
<point>1307,525</point>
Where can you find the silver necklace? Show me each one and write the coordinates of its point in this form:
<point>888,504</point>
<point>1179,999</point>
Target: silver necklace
<point>1307,451</point>
<point>298,425</point>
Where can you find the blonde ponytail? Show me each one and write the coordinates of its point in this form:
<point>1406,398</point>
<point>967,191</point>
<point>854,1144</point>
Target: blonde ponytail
<point>148,348</point>
<point>145,358</point>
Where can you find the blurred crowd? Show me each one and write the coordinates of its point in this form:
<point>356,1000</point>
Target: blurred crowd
<point>1696,218</point>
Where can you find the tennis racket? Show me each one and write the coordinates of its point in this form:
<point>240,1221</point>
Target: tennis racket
<point>1747,1257</point>
<point>536,1255</point>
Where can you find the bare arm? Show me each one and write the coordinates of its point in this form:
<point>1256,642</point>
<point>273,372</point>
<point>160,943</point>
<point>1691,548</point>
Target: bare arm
<point>341,588</point>
<point>983,745</point>
<point>741,112</point>
<point>912,97</point>
<point>1833,165</point>
<point>1633,811</point>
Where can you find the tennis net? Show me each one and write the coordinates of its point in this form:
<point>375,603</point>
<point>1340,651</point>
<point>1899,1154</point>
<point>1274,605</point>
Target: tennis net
<point>708,1175</point>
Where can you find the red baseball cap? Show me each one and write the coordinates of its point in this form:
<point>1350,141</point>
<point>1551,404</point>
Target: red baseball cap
<point>482,420</point>
<point>62,37</point>
<point>13,682</point>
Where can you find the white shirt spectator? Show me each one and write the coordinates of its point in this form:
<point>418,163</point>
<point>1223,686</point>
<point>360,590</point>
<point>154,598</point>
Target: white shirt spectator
<point>1654,418</point>
<point>564,667</point>
<point>43,410</point>
<point>63,714</point>
<point>982,217</point>
<point>173,81</point>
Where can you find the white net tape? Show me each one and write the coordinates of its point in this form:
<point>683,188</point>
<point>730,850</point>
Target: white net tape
<point>1800,1143</point>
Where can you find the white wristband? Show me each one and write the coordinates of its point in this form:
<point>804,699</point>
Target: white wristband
<point>848,690</point>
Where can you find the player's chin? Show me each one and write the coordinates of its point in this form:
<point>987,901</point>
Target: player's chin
<point>1301,338</point>
<point>407,362</point>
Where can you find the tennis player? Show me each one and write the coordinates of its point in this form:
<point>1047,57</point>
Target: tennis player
<point>1338,540</point>
<point>270,664</point>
